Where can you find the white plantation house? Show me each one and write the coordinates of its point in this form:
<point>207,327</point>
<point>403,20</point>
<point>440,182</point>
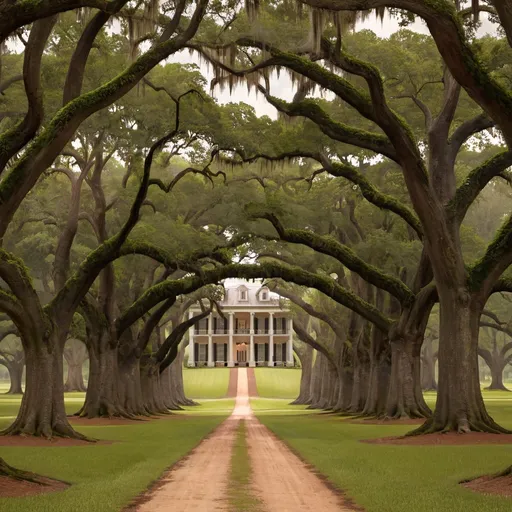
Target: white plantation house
<point>257,330</point>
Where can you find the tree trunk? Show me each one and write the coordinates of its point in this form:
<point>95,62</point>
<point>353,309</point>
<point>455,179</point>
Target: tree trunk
<point>360,384</point>
<point>306,361</point>
<point>16,378</point>
<point>497,366</point>
<point>405,397</point>
<point>42,411</point>
<point>176,379</point>
<point>460,406</point>
<point>428,369</point>
<point>75,378</point>
<point>378,386</point>
<point>102,398</point>
<point>130,389</point>
<point>379,377</point>
<point>169,395</point>
<point>316,381</point>
<point>151,387</point>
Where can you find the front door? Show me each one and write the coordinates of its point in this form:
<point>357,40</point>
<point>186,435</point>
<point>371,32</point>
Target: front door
<point>241,353</point>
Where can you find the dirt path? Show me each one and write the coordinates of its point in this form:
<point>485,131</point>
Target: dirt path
<point>281,480</point>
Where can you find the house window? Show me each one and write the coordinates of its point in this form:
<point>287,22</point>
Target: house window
<point>203,352</point>
<point>264,296</point>
<point>242,294</point>
<point>221,352</point>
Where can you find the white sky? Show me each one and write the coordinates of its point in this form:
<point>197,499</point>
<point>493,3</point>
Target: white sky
<point>282,87</point>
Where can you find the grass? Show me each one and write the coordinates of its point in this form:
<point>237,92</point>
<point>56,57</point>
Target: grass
<point>240,495</point>
<point>206,382</point>
<point>278,382</point>
<point>382,478</point>
<point>106,478</point>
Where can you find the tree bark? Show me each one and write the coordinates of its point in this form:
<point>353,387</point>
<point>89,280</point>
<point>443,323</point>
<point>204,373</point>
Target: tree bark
<point>428,368</point>
<point>460,406</point>
<point>497,377</point>
<point>102,397</point>
<point>361,370</point>
<point>405,397</point>
<point>42,411</point>
<point>130,389</point>
<point>306,360</point>
<point>176,380</point>
<point>75,378</point>
<point>151,387</point>
<point>16,378</point>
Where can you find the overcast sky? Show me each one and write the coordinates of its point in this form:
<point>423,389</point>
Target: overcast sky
<point>282,88</point>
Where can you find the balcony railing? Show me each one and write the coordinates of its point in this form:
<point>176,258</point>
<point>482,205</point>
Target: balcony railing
<point>240,331</point>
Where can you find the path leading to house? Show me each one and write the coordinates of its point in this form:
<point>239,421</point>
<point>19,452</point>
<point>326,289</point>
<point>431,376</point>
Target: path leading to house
<point>281,480</point>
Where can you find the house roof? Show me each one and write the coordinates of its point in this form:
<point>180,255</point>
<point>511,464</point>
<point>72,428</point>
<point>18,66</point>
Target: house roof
<point>232,296</point>
<point>254,300</point>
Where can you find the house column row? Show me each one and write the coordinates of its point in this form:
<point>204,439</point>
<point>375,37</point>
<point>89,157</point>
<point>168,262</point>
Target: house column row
<point>289,344</point>
<point>252,358</point>
<point>191,351</point>
<point>210,341</point>
<point>231,363</point>
<point>271,340</point>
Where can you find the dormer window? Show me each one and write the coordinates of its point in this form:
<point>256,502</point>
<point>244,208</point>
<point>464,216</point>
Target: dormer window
<point>264,294</point>
<point>243,295</point>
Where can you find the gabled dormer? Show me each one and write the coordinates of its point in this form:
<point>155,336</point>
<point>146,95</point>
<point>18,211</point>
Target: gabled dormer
<point>243,293</point>
<point>263,294</point>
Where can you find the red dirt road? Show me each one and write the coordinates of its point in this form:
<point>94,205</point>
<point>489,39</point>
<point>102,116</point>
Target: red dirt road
<point>281,480</point>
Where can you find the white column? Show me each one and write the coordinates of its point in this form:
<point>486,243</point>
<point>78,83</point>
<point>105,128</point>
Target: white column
<point>191,359</point>
<point>252,361</point>
<point>289,344</point>
<point>230,342</point>
<point>271,339</point>
<point>210,341</point>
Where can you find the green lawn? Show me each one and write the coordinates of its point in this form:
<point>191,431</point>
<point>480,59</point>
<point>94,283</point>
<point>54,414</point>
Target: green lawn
<point>106,478</point>
<point>383,478</point>
<point>206,382</point>
<point>278,382</point>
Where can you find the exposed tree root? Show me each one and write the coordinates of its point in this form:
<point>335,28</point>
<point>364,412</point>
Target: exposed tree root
<point>18,474</point>
<point>461,425</point>
<point>497,387</point>
<point>45,430</point>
